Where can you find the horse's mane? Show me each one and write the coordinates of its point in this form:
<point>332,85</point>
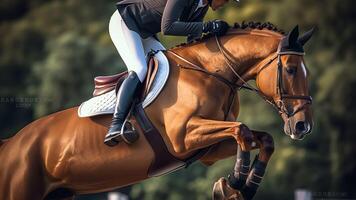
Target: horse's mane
<point>242,26</point>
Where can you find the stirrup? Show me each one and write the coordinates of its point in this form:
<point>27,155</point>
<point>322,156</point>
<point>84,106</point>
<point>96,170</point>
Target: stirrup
<point>128,133</point>
<point>113,140</point>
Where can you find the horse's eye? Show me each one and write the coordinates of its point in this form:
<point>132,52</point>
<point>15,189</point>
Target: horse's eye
<point>291,70</point>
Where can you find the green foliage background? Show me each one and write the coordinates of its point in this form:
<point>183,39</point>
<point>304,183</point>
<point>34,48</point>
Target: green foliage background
<point>51,50</point>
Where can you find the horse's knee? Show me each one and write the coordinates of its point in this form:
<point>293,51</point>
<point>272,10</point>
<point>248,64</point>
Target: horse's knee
<point>268,144</point>
<point>244,137</point>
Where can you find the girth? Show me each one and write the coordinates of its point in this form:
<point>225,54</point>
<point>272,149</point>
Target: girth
<point>164,162</point>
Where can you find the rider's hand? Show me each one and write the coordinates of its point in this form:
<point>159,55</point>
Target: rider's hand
<point>217,27</point>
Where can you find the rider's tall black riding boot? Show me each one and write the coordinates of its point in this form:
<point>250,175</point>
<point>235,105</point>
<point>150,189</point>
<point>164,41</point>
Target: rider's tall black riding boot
<point>124,100</point>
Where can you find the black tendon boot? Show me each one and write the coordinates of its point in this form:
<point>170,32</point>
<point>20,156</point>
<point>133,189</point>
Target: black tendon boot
<point>125,96</point>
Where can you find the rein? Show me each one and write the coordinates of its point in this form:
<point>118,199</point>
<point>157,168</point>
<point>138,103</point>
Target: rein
<point>233,86</point>
<point>279,104</point>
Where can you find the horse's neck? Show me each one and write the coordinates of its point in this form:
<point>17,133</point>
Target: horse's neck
<point>247,51</point>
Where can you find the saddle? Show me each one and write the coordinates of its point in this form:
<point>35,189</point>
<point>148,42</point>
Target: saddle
<point>104,84</point>
<point>137,119</point>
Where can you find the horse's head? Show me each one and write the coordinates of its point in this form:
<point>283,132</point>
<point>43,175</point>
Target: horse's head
<point>284,81</point>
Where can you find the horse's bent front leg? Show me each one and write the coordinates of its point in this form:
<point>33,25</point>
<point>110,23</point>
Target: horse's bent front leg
<point>248,182</point>
<point>204,132</point>
<point>242,179</point>
<point>222,150</point>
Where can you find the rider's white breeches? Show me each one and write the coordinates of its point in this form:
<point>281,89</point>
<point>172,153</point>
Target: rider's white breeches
<point>131,47</point>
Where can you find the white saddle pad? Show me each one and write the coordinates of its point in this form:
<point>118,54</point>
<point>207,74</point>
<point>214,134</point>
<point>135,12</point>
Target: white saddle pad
<point>105,103</point>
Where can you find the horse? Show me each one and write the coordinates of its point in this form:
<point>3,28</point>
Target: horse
<point>62,155</point>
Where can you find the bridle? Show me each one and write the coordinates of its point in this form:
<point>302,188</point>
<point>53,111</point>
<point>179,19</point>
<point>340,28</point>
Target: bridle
<point>282,95</point>
<point>278,104</point>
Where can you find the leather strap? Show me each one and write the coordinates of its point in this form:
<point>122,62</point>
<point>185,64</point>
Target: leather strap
<point>164,162</point>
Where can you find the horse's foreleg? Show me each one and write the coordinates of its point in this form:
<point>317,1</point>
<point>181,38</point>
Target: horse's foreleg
<point>248,182</point>
<point>202,133</point>
<point>222,150</point>
<point>242,178</point>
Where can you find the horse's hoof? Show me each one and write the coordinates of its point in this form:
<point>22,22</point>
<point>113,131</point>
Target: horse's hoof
<point>222,191</point>
<point>130,136</point>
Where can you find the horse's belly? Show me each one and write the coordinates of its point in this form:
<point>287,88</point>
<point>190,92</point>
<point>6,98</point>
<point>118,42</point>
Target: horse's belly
<point>105,168</point>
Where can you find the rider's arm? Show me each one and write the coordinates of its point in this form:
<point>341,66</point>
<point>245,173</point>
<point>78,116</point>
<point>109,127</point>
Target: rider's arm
<point>171,25</point>
<point>200,18</point>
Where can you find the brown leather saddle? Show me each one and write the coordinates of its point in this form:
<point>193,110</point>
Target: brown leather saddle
<point>164,162</point>
<point>104,84</point>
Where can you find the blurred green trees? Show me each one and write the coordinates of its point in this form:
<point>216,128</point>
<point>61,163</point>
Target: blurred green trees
<point>51,50</point>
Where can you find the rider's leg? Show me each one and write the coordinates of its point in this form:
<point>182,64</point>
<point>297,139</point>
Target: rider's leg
<point>129,44</point>
<point>130,47</point>
<point>124,100</point>
<point>152,43</point>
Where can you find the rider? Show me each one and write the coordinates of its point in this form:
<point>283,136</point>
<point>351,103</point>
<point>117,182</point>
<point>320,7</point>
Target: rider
<point>132,29</point>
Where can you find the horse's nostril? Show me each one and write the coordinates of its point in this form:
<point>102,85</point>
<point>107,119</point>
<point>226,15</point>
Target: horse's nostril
<point>300,127</point>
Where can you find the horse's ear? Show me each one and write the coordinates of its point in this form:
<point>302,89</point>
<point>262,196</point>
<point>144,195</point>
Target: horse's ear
<point>293,35</point>
<point>306,36</point>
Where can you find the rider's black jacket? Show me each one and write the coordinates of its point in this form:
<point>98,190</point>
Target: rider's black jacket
<point>172,17</point>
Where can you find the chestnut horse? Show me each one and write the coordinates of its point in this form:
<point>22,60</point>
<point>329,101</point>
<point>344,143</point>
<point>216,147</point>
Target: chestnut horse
<point>61,155</point>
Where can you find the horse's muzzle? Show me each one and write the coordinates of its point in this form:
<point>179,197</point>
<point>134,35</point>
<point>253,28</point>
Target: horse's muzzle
<point>297,130</point>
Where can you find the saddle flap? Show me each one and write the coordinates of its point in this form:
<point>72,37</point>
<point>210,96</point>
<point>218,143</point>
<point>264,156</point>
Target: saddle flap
<point>104,80</point>
<point>104,84</point>
<point>152,69</point>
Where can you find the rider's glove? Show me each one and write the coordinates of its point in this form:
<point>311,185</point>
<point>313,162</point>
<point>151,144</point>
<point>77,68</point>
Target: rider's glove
<point>217,27</point>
